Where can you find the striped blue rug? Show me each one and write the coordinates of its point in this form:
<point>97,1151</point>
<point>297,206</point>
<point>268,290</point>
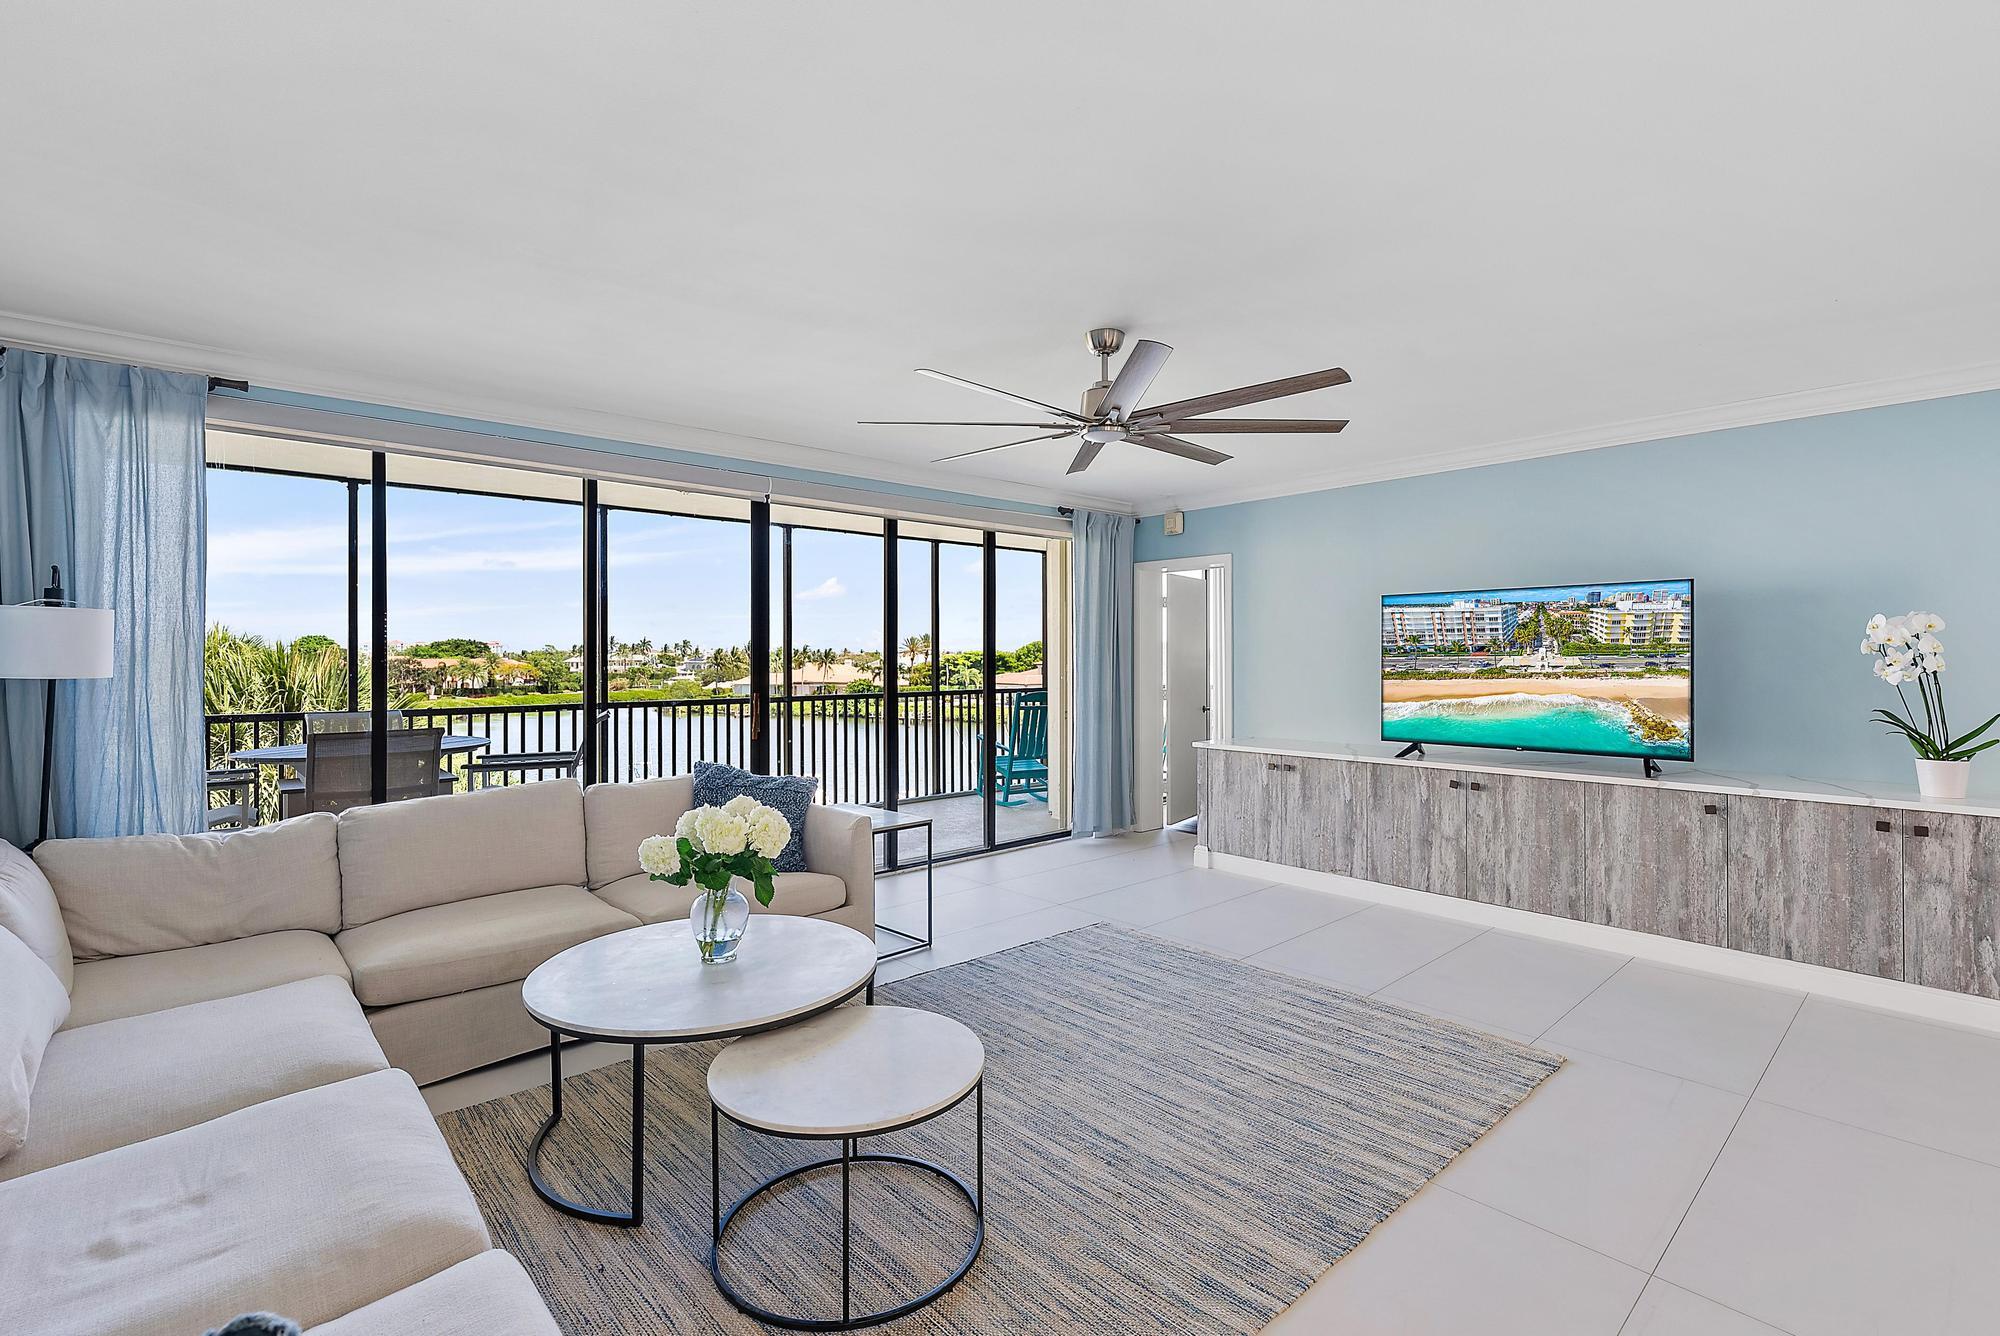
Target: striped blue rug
<point>1175,1142</point>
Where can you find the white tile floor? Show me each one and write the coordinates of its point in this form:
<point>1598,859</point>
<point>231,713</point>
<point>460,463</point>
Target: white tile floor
<point>1716,1158</point>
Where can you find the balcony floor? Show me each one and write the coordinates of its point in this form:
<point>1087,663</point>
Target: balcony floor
<point>959,823</point>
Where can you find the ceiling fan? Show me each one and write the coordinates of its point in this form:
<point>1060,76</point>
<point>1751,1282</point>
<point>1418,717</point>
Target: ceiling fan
<point>1111,409</point>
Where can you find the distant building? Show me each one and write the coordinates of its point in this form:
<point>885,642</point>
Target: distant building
<point>1636,621</point>
<point>1594,597</point>
<point>809,679</point>
<point>1468,620</point>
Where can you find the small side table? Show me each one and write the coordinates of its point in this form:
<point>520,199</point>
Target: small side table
<point>850,1073</point>
<point>886,822</point>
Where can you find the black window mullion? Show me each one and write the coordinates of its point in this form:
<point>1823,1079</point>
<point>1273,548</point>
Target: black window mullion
<point>378,659</point>
<point>760,635</point>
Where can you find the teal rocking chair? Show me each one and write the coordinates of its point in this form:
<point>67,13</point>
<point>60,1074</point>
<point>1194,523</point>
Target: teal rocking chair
<point>1021,764</point>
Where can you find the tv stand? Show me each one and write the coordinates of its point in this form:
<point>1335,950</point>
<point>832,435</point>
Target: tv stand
<point>1652,770</point>
<point>1414,749</point>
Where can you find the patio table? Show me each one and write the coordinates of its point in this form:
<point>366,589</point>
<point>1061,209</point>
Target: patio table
<point>294,753</point>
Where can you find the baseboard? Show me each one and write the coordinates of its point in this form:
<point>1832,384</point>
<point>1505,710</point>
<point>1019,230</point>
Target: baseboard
<point>1909,999</point>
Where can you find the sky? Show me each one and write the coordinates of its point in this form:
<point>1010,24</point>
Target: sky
<point>494,568</point>
<point>1551,593</point>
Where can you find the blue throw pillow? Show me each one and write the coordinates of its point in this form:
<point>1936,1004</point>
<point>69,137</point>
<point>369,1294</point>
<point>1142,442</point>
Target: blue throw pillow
<point>715,785</point>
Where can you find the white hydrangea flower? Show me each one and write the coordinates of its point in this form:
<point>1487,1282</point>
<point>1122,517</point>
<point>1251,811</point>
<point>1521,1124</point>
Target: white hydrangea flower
<point>658,855</point>
<point>742,805</point>
<point>721,831</point>
<point>684,828</point>
<point>769,832</point>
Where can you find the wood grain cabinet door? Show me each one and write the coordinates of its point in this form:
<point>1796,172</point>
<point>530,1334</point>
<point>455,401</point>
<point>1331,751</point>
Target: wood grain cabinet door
<point>1410,823</point>
<point>1951,901</point>
<point>1819,882</point>
<point>1232,794</point>
<point>1330,814</point>
<point>1656,860</point>
<point>1524,843</point>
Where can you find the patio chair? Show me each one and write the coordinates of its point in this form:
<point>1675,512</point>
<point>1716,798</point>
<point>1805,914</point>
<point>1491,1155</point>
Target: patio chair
<point>480,774</point>
<point>1021,764</point>
<point>339,770</point>
<point>347,721</point>
<point>241,809</point>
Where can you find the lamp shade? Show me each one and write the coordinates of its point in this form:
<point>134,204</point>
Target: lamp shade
<point>45,641</point>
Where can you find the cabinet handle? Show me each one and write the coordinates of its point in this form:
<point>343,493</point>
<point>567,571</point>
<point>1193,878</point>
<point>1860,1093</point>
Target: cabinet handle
<point>1882,825</point>
<point>1290,766</point>
<point>1455,784</point>
<point>1709,809</point>
<point>1477,787</point>
<point>1270,765</point>
<point>1921,832</point>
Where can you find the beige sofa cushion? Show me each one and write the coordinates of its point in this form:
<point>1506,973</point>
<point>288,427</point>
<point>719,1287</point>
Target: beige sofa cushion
<point>443,1036</point>
<point>433,851</point>
<point>487,1295</point>
<point>133,985</point>
<point>28,909</point>
<point>109,1085</point>
<point>444,949</point>
<point>311,1205</point>
<point>652,901</point>
<point>140,893</point>
<point>617,816</point>
<point>32,1005</point>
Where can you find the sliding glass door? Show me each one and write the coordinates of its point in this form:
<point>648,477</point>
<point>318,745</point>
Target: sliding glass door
<point>899,662</point>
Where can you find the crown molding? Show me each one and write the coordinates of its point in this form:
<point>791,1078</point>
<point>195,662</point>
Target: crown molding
<point>1786,407</point>
<point>724,447</point>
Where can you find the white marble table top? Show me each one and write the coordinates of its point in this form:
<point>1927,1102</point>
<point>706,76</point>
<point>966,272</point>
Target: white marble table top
<point>650,982</point>
<point>849,1072</point>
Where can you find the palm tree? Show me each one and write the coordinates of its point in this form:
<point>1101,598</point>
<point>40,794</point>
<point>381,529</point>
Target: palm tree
<point>914,648</point>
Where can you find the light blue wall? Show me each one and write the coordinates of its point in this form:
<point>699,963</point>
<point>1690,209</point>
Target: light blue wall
<point>1793,532</point>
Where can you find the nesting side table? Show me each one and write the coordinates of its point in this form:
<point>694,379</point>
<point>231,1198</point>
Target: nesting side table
<point>887,822</point>
<point>850,1073</point>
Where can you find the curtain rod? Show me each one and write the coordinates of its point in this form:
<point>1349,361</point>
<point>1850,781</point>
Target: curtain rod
<point>214,382</point>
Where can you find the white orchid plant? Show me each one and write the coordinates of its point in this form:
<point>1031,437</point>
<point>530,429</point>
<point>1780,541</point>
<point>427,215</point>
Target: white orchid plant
<point>712,845</point>
<point>1907,650</point>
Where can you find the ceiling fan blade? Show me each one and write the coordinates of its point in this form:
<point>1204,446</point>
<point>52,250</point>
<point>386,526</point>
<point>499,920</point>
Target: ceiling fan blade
<point>1253,426</point>
<point>1004,445</point>
<point>1062,413</point>
<point>1134,379</point>
<point>1171,445</point>
<point>1249,394</point>
<point>901,422</point>
<point>1084,457</point>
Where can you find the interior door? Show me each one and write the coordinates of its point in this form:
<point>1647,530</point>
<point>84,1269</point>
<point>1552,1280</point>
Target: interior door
<point>1186,687</point>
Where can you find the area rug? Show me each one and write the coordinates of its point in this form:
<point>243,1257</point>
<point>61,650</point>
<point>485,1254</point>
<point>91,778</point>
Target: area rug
<point>1175,1142</point>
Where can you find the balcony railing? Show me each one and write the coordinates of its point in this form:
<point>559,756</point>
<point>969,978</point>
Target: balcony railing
<point>836,738</point>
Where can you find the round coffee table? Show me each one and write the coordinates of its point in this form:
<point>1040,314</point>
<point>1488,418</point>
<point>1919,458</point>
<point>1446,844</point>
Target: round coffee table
<point>860,1071</point>
<point>649,986</point>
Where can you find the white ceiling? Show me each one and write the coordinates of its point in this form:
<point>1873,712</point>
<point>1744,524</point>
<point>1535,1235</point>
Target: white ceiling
<point>1520,230</point>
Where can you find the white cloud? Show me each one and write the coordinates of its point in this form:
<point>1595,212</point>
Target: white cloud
<point>830,587</point>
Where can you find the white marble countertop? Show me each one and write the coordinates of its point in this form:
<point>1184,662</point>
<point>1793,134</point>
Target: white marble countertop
<point>850,1072</point>
<point>1611,770</point>
<point>650,982</point>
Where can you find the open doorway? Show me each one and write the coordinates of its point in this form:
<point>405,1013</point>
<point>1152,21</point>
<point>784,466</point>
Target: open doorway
<point>1181,695</point>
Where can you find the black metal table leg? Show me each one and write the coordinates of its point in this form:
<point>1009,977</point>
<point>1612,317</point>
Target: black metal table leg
<point>850,1155</point>
<point>595,1214</point>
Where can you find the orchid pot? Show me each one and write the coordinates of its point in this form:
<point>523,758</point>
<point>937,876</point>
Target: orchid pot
<point>1908,653</point>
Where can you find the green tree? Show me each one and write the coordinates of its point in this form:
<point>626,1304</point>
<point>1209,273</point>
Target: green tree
<point>551,669</point>
<point>454,647</point>
<point>314,644</point>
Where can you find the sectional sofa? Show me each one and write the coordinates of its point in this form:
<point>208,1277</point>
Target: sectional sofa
<point>226,1116</point>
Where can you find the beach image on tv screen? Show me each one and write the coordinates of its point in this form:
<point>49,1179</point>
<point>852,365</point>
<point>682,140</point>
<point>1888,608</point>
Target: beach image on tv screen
<point>1605,668</point>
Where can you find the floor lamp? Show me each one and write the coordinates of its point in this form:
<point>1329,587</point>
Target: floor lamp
<point>51,639</point>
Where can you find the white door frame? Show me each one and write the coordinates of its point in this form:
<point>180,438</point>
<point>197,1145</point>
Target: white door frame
<point>1149,671</point>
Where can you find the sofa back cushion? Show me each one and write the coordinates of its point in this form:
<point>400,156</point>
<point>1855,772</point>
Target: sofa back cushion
<point>715,785</point>
<point>138,893</point>
<point>617,816</point>
<point>28,909</point>
<point>433,851</point>
<point>33,1005</point>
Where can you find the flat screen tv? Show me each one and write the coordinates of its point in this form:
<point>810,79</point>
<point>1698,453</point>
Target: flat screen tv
<point>1600,669</point>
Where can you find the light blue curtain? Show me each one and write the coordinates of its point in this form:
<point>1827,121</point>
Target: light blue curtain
<point>1101,559</point>
<point>101,473</point>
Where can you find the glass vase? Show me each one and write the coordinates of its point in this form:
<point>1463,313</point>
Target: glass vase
<point>718,919</point>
